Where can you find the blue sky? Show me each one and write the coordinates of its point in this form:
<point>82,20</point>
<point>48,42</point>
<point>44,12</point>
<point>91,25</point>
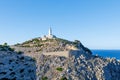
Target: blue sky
<point>96,23</point>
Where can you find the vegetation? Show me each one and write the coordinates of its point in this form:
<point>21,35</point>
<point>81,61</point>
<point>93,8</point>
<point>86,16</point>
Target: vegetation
<point>87,50</point>
<point>50,45</point>
<point>63,41</point>
<point>27,42</point>
<point>35,40</point>
<point>39,43</point>
<point>17,44</point>
<point>63,78</point>
<point>3,49</point>
<point>6,47</point>
<point>5,44</point>
<point>44,78</point>
<point>34,59</point>
<point>59,69</point>
<point>19,52</point>
<point>76,42</point>
<point>11,49</point>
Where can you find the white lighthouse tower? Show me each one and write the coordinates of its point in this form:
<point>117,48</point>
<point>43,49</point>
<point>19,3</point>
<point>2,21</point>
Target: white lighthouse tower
<point>50,31</point>
<point>49,36</point>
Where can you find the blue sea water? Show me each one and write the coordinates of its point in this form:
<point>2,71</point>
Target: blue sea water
<point>107,53</point>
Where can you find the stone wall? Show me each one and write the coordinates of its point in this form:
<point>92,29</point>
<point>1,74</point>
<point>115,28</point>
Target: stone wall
<point>59,53</point>
<point>63,53</point>
<point>33,52</point>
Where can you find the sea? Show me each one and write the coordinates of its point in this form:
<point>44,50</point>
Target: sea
<point>107,53</point>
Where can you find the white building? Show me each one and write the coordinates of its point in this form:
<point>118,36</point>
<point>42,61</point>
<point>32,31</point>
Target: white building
<point>49,36</point>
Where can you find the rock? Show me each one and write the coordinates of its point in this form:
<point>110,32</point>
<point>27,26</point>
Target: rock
<point>14,66</point>
<point>33,65</point>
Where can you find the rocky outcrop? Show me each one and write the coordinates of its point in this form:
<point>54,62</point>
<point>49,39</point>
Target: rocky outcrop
<point>82,67</point>
<point>33,65</point>
<point>49,45</point>
<point>16,66</point>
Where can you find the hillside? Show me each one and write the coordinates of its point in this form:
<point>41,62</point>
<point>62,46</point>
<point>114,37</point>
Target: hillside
<point>33,65</point>
<point>84,67</point>
<point>38,45</point>
<point>16,66</point>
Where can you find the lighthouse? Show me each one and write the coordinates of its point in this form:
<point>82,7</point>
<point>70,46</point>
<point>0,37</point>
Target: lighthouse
<point>49,36</point>
<point>50,31</point>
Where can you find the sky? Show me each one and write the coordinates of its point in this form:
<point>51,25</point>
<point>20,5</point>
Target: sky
<point>96,23</point>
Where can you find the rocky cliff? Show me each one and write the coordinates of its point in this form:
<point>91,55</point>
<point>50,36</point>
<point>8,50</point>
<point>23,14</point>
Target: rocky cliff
<point>83,67</point>
<point>16,66</point>
<point>32,65</point>
<point>49,45</point>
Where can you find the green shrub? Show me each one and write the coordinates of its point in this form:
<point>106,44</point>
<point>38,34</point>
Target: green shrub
<point>3,49</point>
<point>44,78</point>
<point>19,52</point>
<point>59,69</point>
<point>17,44</point>
<point>34,59</point>
<point>6,47</point>
<point>63,78</point>
<point>36,40</point>
<point>5,44</point>
<point>11,49</point>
